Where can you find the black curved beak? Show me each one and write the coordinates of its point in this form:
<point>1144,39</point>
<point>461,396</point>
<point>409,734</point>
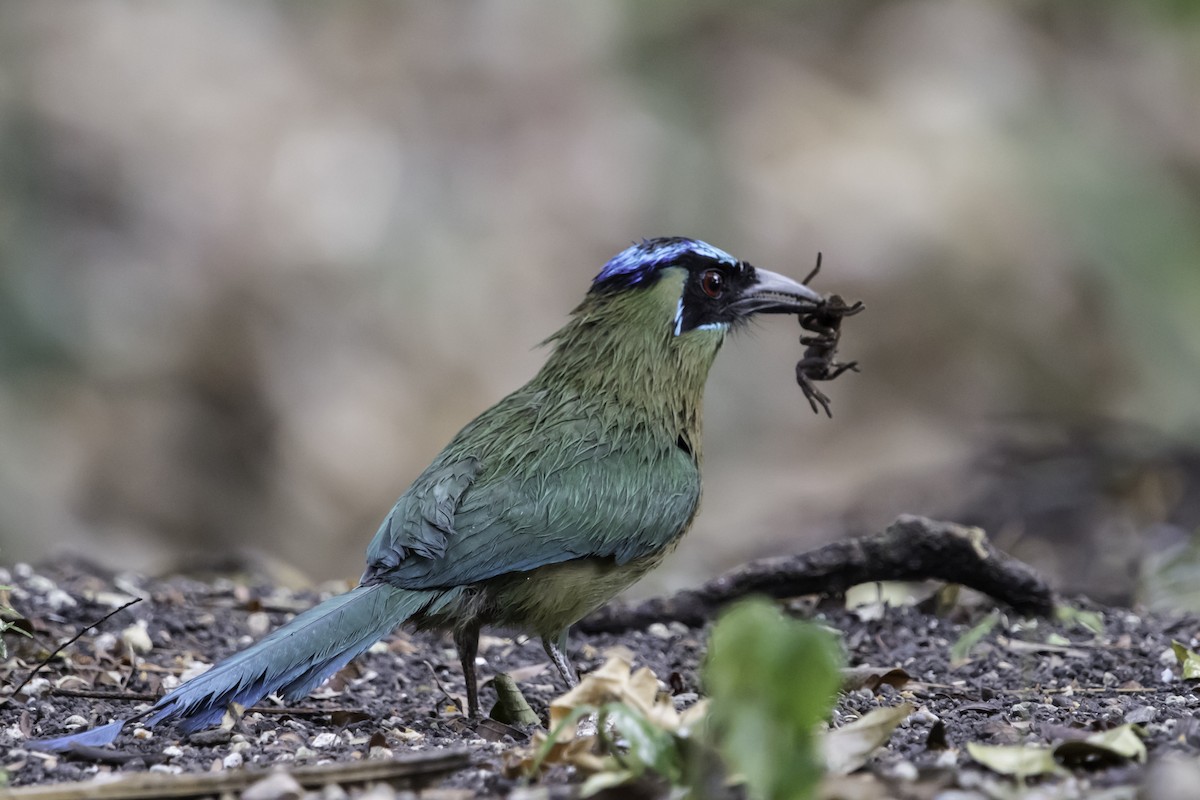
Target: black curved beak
<point>772,293</point>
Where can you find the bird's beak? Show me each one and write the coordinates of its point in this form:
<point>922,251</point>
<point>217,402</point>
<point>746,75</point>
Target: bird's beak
<point>772,293</point>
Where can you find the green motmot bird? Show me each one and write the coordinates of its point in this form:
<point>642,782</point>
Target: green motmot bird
<point>547,504</point>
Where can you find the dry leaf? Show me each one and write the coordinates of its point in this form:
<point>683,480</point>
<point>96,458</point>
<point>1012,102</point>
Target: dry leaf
<point>1018,761</point>
<point>850,747</point>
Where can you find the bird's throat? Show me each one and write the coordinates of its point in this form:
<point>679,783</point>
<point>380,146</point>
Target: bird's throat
<point>619,358</point>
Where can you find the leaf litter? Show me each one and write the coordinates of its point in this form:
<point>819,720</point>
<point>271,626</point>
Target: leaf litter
<point>1103,697</point>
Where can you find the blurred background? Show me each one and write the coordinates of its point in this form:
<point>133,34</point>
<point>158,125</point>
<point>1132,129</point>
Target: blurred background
<point>259,261</point>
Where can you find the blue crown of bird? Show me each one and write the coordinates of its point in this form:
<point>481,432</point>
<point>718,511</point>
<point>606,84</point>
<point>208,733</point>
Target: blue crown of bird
<point>543,507</point>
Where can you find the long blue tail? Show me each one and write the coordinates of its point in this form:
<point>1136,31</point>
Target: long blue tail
<point>292,661</point>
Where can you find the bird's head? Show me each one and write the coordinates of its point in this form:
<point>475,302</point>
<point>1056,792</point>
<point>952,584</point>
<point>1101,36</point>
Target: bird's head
<point>693,286</point>
<point>656,316</point>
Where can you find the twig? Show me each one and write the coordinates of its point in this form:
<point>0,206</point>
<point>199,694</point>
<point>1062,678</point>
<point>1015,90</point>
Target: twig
<point>149,697</point>
<point>411,770</point>
<point>912,548</point>
<point>67,644</point>
<point>458,701</point>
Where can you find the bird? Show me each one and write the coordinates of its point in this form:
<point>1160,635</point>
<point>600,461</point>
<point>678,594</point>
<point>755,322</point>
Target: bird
<point>543,507</point>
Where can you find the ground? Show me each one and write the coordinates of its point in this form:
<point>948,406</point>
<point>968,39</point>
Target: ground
<point>1026,681</point>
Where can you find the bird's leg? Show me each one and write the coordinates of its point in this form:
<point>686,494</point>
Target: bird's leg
<point>557,650</point>
<point>466,639</point>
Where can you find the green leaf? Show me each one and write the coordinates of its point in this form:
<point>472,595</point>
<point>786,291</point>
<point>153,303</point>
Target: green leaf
<point>648,745</point>
<point>1088,620</point>
<point>511,706</point>
<point>1105,749</point>
<point>772,680</point>
<point>1189,660</point>
<point>961,650</point>
<point>1019,761</point>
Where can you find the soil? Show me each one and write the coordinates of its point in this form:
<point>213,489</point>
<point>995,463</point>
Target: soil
<point>1026,681</point>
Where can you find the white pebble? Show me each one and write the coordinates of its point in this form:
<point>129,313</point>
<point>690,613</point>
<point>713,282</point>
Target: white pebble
<point>142,734</point>
<point>258,623</point>
<point>324,740</point>
<point>137,638</point>
<point>233,761</point>
<point>658,630</point>
<point>172,751</point>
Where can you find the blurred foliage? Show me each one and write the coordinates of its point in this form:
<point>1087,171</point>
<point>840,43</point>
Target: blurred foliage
<point>771,681</point>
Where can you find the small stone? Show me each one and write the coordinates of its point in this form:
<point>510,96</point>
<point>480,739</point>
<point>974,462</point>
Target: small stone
<point>57,599</point>
<point>40,584</point>
<point>685,699</point>
<point>658,630</point>
<point>381,791</point>
<point>74,721</point>
<point>923,716</point>
<point>276,786</point>
<point>136,638</point>
<point>233,761</point>
<point>258,623</point>
<point>324,740</point>
<point>143,734</point>
<point>380,753</point>
<point>305,752</point>
<point>172,751</point>
<point>905,771</point>
<point>1142,715</point>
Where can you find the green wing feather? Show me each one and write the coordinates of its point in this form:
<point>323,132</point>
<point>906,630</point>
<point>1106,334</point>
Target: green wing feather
<point>554,492</point>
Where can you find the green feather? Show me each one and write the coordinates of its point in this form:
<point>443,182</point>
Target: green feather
<point>590,472</point>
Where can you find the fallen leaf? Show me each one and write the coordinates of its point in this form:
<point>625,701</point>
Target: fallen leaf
<point>961,650</point>
<point>511,706</point>
<point>850,747</point>
<point>343,717</point>
<point>1188,660</point>
<point>1088,620</point>
<point>1105,749</point>
<point>867,677</point>
<point>616,682</point>
<point>1018,761</point>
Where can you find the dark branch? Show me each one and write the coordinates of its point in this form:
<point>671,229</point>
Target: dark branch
<point>912,548</point>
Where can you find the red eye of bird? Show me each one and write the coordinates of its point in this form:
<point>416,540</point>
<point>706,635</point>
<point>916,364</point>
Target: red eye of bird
<point>713,283</point>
